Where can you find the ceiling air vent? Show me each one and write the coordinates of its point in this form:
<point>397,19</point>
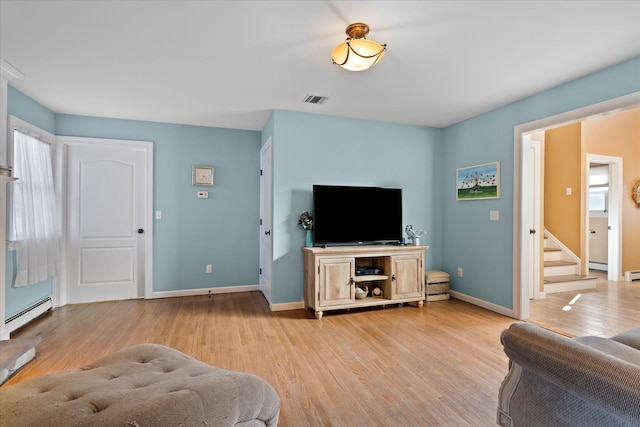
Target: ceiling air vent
<point>314,99</point>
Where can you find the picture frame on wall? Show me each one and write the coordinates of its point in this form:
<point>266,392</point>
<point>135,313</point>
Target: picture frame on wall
<point>479,182</point>
<point>203,176</point>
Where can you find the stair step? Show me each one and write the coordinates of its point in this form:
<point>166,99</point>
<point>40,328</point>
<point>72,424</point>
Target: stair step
<point>559,263</point>
<point>567,278</point>
<point>552,250</point>
<point>569,282</point>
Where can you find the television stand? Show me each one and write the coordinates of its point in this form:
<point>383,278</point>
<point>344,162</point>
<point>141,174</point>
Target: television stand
<point>330,276</point>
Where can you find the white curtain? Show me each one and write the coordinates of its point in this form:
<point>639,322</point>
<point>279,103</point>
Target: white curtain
<point>35,229</point>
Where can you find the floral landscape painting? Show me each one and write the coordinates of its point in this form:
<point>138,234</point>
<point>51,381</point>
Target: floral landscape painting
<point>478,182</point>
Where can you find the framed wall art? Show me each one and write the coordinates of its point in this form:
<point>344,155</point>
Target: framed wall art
<point>203,176</point>
<point>478,182</point>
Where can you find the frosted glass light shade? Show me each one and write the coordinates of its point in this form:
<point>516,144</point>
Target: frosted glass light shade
<point>358,55</point>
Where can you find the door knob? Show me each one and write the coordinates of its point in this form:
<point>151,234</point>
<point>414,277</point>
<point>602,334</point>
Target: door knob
<point>532,231</point>
<point>267,233</point>
<point>140,231</point>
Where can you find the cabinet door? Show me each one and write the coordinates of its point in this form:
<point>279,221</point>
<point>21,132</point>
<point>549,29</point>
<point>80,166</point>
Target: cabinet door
<point>407,276</point>
<point>335,285</point>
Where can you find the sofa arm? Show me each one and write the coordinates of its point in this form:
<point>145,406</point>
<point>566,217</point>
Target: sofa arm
<point>597,378</point>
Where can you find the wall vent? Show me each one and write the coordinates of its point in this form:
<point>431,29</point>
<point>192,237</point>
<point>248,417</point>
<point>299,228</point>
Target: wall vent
<point>631,275</point>
<point>314,99</point>
<point>28,314</point>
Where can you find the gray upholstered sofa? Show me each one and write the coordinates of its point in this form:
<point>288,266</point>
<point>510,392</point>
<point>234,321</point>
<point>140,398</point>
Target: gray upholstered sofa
<point>143,385</point>
<point>558,381</point>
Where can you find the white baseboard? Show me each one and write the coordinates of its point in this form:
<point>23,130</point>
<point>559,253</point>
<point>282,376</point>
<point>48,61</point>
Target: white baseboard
<point>287,306</point>
<point>598,266</point>
<point>226,290</point>
<point>482,303</point>
<point>204,291</point>
<point>631,275</point>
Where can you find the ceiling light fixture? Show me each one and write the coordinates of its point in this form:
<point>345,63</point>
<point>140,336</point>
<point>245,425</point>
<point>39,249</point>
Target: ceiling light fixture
<point>357,53</point>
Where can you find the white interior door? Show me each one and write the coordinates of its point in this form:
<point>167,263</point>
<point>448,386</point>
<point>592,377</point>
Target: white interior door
<point>597,219</point>
<point>265,220</point>
<point>106,220</point>
<point>531,211</point>
<point>614,205</point>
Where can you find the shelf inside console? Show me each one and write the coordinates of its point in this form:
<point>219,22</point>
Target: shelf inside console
<point>370,278</point>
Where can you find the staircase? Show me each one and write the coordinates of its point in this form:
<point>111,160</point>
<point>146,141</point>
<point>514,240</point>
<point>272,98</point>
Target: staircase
<point>562,268</point>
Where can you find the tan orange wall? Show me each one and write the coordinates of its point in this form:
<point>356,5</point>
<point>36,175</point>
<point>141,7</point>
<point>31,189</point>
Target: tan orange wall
<point>562,170</point>
<point>619,135</point>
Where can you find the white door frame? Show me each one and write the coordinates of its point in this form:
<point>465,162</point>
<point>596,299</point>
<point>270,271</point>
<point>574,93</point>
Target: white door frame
<point>614,236</point>
<point>60,291</point>
<point>520,268</point>
<point>266,235</point>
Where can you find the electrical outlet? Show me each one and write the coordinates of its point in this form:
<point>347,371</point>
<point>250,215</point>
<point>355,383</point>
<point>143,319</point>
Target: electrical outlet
<point>209,268</point>
<point>459,271</point>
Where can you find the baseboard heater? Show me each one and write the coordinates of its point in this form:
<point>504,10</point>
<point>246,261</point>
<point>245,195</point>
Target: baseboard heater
<point>631,275</point>
<point>28,314</point>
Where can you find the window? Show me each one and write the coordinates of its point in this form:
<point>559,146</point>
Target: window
<point>33,226</point>
<point>598,189</point>
<point>598,199</point>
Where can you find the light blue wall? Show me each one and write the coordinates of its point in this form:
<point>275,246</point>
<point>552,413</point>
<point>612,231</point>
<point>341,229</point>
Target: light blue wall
<point>315,149</point>
<point>27,109</point>
<point>484,248</point>
<point>221,230</point>
<point>17,299</point>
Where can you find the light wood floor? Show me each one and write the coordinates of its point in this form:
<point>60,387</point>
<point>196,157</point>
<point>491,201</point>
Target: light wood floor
<point>440,365</point>
<point>611,308</point>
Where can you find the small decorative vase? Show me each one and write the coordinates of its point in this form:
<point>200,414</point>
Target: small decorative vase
<point>308,239</point>
<point>416,241</point>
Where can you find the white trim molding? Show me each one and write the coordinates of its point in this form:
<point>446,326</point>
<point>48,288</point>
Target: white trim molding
<point>7,72</point>
<point>482,303</point>
<point>205,291</point>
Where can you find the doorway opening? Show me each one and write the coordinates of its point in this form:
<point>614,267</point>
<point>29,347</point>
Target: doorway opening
<point>604,214</point>
<point>526,259</point>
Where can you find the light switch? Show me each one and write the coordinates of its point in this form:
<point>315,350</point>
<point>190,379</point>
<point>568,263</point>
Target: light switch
<point>203,194</point>
<point>568,191</point>
<point>494,215</point>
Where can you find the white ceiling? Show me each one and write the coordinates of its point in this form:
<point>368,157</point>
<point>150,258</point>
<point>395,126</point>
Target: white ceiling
<point>230,63</point>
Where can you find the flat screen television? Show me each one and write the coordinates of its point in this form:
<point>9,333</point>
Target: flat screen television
<point>344,215</point>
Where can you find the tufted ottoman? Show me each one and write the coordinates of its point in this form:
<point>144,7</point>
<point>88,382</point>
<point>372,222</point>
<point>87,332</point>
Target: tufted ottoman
<point>143,385</point>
